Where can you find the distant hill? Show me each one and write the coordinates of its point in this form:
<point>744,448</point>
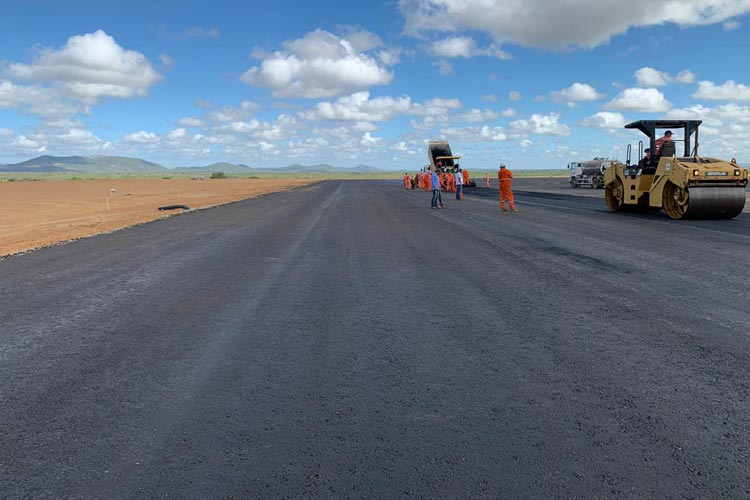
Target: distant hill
<point>124,165</point>
<point>227,168</point>
<point>84,164</point>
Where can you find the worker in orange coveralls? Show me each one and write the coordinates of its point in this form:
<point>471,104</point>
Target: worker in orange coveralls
<point>407,181</point>
<point>486,179</point>
<point>427,182</point>
<point>465,174</point>
<point>504,177</point>
<point>444,182</point>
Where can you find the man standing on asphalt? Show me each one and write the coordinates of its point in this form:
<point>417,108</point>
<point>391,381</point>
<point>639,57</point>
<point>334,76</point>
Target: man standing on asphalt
<point>504,176</point>
<point>436,198</point>
<point>486,179</point>
<point>459,184</point>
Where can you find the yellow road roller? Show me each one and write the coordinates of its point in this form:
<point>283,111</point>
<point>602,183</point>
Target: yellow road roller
<point>685,187</point>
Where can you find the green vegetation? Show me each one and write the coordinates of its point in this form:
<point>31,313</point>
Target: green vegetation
<point>218,175</point>
<point>478,175</point>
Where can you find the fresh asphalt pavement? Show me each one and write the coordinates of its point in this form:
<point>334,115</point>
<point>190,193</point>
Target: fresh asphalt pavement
<point>343,340</point>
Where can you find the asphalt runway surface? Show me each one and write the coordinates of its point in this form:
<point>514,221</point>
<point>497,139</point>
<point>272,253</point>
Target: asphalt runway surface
<point>343,340</point>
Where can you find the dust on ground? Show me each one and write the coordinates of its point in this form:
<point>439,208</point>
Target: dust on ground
<point>34,214</point>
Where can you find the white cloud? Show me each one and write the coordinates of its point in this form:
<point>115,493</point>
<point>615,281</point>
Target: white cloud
<point>725,131</point>
<point>540,124</point>
<point>190,121</point>
<point>557,25</point>
<point>436,107</point>
<point>363,40</point>
<point>685,76</point>
<point>728,91</point>
<point>458,46</point>
<point>166,61</point>
<point>466,47</point>
<point>228,114</point>
<point>509,112</point>
<point>514,95</point>
<point>650,77</point>
<point>200,32</point>
<point>369,140</point>
<point>359,107</point>
<point>577,92</point>
<point>474,134</point>
<point>178,133</point>
<point>489,97</point>
<point>605,120</point>
<point>444,67</point>
<point>90,67</point>
<point>141,137</point>
<point>477,115</point>
<point>641,100</point>
<point>732,25</point>
<point>317,65</point>
<point>364,127</point>
<point>36,100</point>
<point>390,57</point>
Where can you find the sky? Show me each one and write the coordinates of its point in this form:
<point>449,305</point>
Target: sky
<point>530,83</point>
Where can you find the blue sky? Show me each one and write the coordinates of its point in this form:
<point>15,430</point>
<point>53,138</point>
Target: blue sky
<point>533,84</point>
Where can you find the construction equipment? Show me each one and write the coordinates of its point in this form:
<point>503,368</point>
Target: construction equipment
<point>685,187</point>
<point>439,152</point>
<point>589,173</point>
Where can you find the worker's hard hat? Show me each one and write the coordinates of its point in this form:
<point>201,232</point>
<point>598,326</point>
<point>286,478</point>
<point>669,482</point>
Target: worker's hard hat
<point>502,165</point>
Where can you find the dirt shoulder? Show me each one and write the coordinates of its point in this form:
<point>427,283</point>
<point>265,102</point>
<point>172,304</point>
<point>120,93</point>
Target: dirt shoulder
<point>40,213</point>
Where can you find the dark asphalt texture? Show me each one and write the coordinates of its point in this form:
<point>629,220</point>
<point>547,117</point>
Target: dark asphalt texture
<point>343,340</point>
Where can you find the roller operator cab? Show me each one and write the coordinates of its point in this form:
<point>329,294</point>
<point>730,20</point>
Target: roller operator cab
<point>687,186</point>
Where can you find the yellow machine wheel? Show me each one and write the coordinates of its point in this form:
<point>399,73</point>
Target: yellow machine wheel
<point>675,201</point>
<point>614,194</point>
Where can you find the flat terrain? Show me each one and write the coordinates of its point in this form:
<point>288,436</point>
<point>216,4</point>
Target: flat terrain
<point>342,340</point>
<point>39,213</point>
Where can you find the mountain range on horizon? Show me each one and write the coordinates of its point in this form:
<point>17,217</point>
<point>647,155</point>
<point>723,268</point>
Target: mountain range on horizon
<point>124,164</point>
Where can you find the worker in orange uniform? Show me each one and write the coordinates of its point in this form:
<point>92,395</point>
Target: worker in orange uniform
<point>486,179</point>
<point>427,182</point>
<point>465,175</point>
<point>407,181</point>
<point>504,177</point>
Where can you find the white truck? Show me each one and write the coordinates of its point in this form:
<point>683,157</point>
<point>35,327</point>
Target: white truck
<point>589,172</point>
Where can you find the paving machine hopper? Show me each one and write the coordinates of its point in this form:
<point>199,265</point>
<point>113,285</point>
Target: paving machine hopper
<point>439,152</point>
<point>685,187</point>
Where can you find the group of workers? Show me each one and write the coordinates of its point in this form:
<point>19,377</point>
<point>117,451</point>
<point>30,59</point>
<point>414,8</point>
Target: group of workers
<point>449,181</point>
<point>452,179</point>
